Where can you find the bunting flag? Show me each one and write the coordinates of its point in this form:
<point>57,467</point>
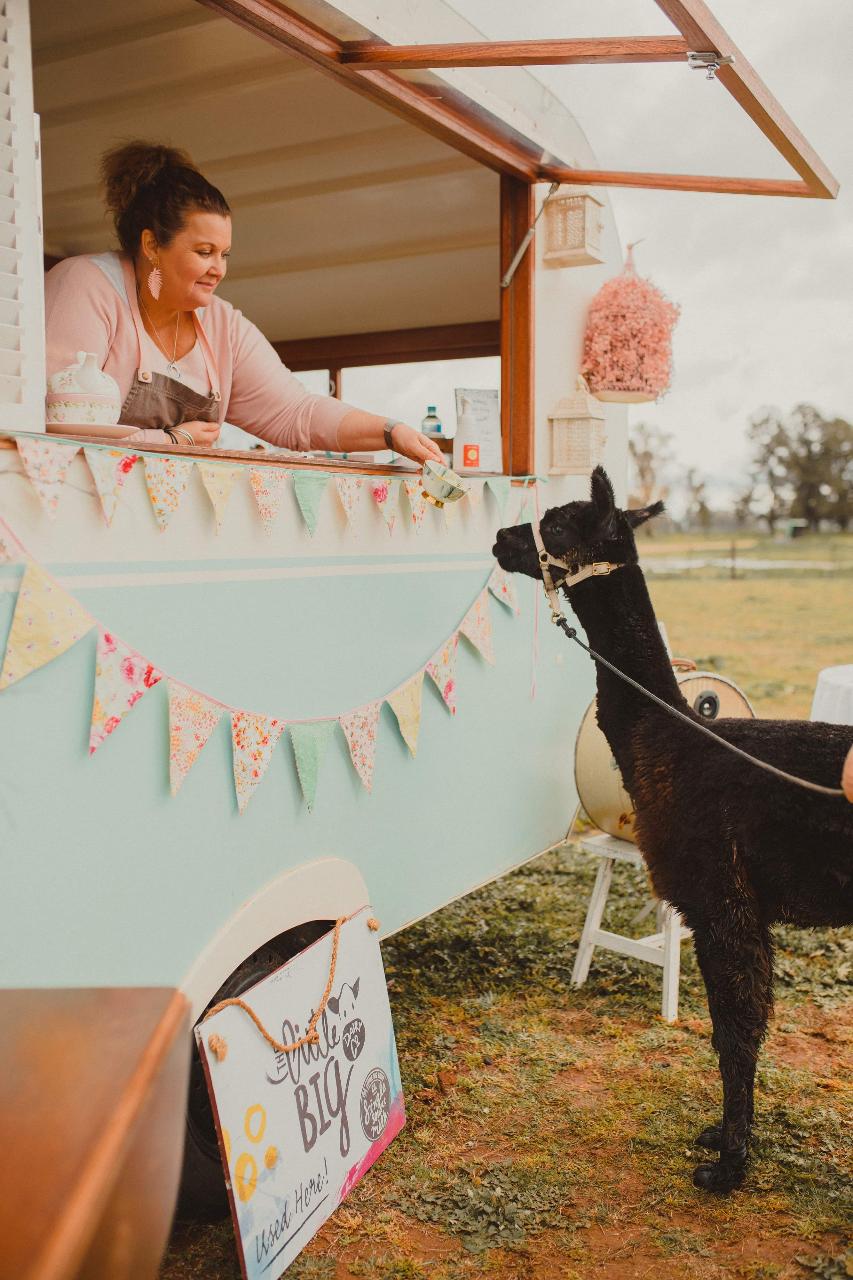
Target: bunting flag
<point>110,468</point>
<point>310,740</point>
<point>405,702</point>
<point>417,502</point>
<point>502,588</point>
<point>46,622</point>
<point>253,739</point>
<point>309,487</point>
<point>10,547</point>
<point>46,462</point>
<point>218,479</point>
<point>476,627</point>
<point>386,495</point>
<point>166,480</point>
<point>268,486</point>
<point>450,511</point>
<point>360,729</point>
<point>475,493</point>
<point>122,676</point>
<point>442,670</point>
<point>349,487</point>
<point>499,486</point>
<point>192,719</point>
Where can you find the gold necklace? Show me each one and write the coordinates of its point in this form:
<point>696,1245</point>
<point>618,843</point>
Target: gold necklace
<point>172,364</point>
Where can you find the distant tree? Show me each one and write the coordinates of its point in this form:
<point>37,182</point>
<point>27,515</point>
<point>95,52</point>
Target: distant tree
<point>803,465</point>
<point>697,511</point>
<point>744,502</point>
<point>652,455</point>
<point>771,457</point>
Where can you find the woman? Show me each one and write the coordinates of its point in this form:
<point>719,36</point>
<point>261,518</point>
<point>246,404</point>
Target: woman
<point>185,360</point>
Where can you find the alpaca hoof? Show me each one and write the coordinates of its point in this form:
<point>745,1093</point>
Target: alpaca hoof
<point>720,1178</point>
<point>710,1138</point>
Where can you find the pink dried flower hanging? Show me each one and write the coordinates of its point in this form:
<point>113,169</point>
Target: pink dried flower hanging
<point>627,349</point>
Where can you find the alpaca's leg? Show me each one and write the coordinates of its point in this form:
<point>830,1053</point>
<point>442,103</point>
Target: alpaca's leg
<point>736,959</point>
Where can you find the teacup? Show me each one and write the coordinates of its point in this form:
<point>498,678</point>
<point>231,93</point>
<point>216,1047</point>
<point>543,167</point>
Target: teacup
<point>440,484</point>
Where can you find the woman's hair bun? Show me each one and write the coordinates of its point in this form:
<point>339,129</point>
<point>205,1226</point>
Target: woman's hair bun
<point>133,165</point>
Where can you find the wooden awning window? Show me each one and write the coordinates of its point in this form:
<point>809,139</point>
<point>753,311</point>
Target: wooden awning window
<point>369,68</point>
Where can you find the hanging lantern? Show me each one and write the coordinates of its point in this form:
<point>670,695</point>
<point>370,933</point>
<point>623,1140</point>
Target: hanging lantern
<point>627,347</point>
<point>573,229</point>
<point>577,433</point>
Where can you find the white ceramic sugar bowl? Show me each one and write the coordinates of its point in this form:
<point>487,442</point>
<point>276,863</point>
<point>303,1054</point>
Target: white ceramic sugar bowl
<point>83,393</point>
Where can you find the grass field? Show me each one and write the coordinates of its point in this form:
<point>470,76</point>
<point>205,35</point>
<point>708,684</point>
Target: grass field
<point>550,1130</point>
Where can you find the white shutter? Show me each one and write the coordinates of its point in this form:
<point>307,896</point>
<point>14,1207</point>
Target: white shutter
<point>22,376</point>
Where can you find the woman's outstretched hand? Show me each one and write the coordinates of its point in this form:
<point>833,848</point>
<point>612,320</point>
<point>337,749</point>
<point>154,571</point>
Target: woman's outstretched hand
<point>203,433</point>
<point>414,444</point>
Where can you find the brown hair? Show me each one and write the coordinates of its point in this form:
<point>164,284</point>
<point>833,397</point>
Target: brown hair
<point>155,187</point>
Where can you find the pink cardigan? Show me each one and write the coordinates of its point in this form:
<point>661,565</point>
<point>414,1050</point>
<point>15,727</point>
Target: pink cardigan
<point>86,309</point>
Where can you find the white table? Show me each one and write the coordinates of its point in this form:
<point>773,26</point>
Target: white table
<point>833,695</point>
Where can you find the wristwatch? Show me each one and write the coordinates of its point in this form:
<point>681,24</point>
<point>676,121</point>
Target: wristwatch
<point>390,424</point>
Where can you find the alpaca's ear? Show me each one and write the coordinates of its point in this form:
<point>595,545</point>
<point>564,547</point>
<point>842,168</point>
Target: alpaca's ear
<point>639,515</point>
<point>603,499</point>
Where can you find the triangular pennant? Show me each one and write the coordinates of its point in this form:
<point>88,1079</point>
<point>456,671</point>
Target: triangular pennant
<point>309,746</point>
<point>46,622</point>
<point>253,739</point>
<point>309,487</point>
<point>110,468</point>
<point>442,670</point>
<point>218,479</point>
<point>46,462</point>
<point>268,486</point>
<point>166,480</point>
<point>386,495</point>
<point>417,502</point>
<point>499,486</point>
<point>349,487</point>
<point>360,728</point>
<point>502,588</point>
<point>525,506</point>
<point>192,719</point>
<point>10,547</point>
<point>450,511</point>
<point>475,492</point>
<point>406,705</point>
<point>122,676</point>
<point>476,627</point>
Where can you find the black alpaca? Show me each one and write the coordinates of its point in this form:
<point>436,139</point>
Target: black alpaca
<point>733,848</point>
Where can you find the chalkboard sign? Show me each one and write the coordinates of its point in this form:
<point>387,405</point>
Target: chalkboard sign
<point>298,1130</point>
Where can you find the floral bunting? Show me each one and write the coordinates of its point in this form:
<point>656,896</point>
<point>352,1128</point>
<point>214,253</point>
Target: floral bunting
<point>405,702</point>
<point>309,487</point>
<point>310,739</point>
<point>476,627</point>
<point>268,486</point>
<point>110,468</point>
<point>192,719</point>
<point>166,480</point>
<point>417,502</point>
<point>386,495</point>
<point>218,480</point>
<point>499,487</point>
<point>47,621</point>
<point>46,462</point>
<point>122,676</point>
<point>349,487</point>
<point>441,668</point>
<point>253,740</point>
<point>502,588</point>
<point>360,729</point>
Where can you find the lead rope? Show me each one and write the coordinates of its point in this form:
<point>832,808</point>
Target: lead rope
<point>559,619</point>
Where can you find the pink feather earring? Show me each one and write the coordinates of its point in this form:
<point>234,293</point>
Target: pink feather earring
<point>155,282</point>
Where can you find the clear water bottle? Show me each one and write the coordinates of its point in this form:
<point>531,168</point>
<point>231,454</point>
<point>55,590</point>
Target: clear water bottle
<point>431,425</point>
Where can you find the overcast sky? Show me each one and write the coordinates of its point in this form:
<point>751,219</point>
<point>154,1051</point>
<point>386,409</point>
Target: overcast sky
<point>765,285</point>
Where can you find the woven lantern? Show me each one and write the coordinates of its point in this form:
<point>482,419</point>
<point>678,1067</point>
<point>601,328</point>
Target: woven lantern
<point>577,433</point>
<point>627,347</point>
<point>573,229</point>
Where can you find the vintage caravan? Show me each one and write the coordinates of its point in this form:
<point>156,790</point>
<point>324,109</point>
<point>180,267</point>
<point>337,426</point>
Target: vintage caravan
<point>358,675</point>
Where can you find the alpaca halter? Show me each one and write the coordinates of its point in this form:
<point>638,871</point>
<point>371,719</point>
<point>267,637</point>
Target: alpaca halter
<point>601,569</point>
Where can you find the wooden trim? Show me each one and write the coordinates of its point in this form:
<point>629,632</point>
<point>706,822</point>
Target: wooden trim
<point>482,139</point>
<point>703,32</point>
<point>678,182</point>
<point>392,346</point>
<point>517,374</point>
<point>336,382</point>
<point>515,53</point>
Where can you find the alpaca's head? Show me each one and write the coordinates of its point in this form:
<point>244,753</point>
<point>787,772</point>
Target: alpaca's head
<point>580,532</point>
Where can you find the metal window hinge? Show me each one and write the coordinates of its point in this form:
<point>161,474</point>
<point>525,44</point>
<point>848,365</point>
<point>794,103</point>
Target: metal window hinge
<point>710,62</point>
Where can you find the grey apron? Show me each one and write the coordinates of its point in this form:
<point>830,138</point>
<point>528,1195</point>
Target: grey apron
<point>156,400</point>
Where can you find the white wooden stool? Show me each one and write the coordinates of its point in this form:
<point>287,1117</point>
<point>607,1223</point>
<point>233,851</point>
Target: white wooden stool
<point>662,948</point>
